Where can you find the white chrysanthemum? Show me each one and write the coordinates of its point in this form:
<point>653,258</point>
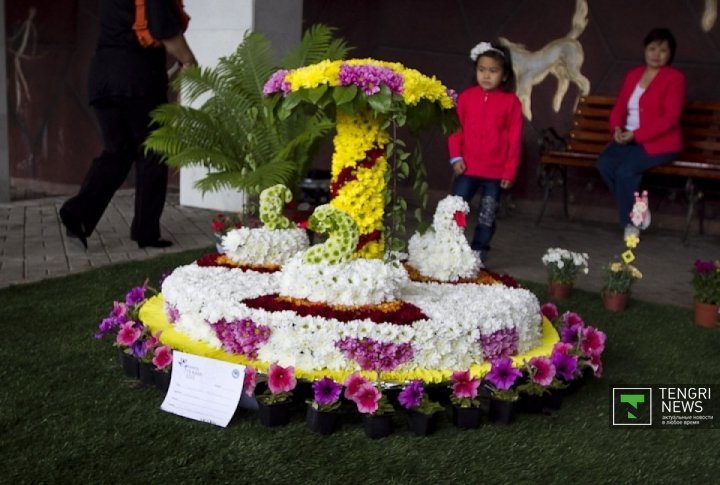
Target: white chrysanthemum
<point>264,246</point>
<point>447,339</point>
<point>355,282</point>
<point>443,252</point>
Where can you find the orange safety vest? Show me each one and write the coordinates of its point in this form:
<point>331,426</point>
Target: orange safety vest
<point>140,26</point>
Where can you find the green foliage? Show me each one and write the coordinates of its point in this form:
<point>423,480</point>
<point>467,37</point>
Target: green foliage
<point>706,281</point>
<point>232,130</point>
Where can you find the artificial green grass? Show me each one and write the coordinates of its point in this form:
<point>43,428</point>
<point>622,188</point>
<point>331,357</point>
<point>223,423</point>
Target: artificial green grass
<point>68,415</point>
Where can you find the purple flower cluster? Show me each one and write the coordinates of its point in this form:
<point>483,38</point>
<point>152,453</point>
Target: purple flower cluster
<point>172,313</point>
<point>112,322</point>
<point>704,266</point>
<point>501,343</point>
<point>326,391</point>
<point>412,396</point>
<point>369,78</point>
<point>135,296</point>
<point>277,83</point>
<point>373,355</point>
<point>503,375</point>
<point>241,336</point>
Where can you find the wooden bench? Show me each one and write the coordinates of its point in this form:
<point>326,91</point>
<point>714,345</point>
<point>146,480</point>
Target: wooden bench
<point>700,160</point>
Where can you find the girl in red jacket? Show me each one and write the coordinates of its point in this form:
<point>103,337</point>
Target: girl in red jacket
<point>644,124</point>
<point>485,151</point>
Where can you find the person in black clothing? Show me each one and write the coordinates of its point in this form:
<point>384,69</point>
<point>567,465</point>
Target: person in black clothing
<point>126,83</point>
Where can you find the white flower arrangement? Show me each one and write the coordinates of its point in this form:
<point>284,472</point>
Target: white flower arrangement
<point>457,316</point>
<point>563,265</point>
<point>354,282</point>
<point>443,252</point>
<point>264,246</point>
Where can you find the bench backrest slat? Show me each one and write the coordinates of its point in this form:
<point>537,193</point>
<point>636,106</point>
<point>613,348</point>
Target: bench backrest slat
<point>700,122</point>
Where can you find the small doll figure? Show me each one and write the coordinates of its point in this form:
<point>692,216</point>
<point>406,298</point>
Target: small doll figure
<point>640,214</point>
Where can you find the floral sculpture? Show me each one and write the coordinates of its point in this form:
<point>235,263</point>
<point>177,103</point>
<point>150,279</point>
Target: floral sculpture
<point>270,246</point>
<point>272,201</point>
<point>342,236</point>
<point>366,94</point>
<point>443,253</point>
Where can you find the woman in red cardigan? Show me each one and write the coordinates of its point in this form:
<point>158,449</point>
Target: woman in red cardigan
<point>644,123</point>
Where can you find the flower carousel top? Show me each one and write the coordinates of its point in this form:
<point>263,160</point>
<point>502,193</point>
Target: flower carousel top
<point>354,85</point>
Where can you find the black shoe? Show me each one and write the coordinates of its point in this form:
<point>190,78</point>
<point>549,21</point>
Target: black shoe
<point>73,228</point>
<point>156,243</point>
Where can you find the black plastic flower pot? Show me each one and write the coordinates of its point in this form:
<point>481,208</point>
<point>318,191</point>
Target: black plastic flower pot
<point>322,422</point>
<point>531,403</point>
<point>553,399</point>
<point>129,364</point>
<point>146,372</point>
<point>466,418</point>
<point>272,415</point>
<point>377,427</point>
<point>421,424</point>
<point>161,379</point>
<point>502,412</point>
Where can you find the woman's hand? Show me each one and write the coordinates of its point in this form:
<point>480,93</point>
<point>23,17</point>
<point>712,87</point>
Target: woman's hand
<point>617,135</point>
<point>505,184</point>
<point>459,167</point>
<point>627,136</point>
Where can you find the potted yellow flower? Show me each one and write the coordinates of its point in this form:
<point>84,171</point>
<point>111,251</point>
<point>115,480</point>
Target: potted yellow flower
<point>619,278</point>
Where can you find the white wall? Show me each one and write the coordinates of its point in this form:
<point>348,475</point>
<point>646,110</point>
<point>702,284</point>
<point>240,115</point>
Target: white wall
<point>216,28</point>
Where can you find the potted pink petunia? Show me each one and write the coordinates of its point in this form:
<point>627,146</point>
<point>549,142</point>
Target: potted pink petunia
<point>274,404</point>
<point>540,373</point>
<point>322,412</point>
<point>162,360</point>
<point>464,398</point>
<point>422,412</point>
<point>372,403</point>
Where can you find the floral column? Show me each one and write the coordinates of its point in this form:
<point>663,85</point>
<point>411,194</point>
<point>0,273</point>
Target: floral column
<point>367,95</point>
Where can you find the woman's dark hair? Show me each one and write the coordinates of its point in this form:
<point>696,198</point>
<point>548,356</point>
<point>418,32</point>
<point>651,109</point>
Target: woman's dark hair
<point>662,35</point>
<point>508,82</point>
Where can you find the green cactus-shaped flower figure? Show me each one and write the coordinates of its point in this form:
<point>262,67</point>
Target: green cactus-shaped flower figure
<point>272,201</point>
<point>342,234</point>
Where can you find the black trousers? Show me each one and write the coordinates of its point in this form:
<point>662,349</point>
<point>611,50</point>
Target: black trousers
<point>125,124</point>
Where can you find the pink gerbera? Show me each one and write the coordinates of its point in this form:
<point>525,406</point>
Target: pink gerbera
<point>544,370</point>
<point>367,397</point>
<point>281,379</point>
<point>250,381</point>
<point>128,333</point>
<point>353,382</point>
<point>593,341</point>
<point>464,385</point>
<point>163,357</point>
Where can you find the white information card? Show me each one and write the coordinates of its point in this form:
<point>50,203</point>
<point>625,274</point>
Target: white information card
<point>204,389</point>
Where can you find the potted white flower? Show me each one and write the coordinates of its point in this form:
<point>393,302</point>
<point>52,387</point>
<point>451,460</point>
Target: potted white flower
<point>563,267</point>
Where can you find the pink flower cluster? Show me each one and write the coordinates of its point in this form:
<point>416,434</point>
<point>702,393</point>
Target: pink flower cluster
<point>241,336</point>
<point>362,392</point>
<point>369,78</point>
<point>464,386</point>
<point>499,344</point>
<point>579,345</point>
<point>373,355</point>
